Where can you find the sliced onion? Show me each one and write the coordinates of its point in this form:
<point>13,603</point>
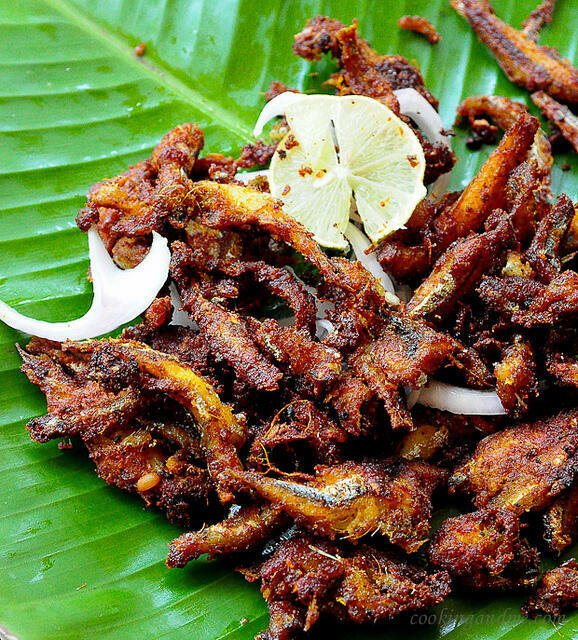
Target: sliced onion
<point>324,328</point>
<point>119,295</point>
<point>274,108</point>
<point>180,318</point>
<point>415,106</point>
<point>447,397</point>
<point>360,243</point>
<point>247,176</point>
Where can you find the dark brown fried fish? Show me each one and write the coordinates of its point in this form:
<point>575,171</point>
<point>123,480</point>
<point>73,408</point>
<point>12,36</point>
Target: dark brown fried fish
<point>308,576</point>
<point>133,447</point>
<point>559,115</point>
<point>523,467</point>
<point>561,521</point>
<point>522,60</point>
<point>353,499</point>
<point>483,550</point>
<point>557,591</point>
<point>221,433</point>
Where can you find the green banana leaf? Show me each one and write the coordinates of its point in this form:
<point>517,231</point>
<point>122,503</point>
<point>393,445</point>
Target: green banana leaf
<point>78,559</point>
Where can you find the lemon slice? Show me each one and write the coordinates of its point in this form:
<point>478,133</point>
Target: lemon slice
<point>341,147</point>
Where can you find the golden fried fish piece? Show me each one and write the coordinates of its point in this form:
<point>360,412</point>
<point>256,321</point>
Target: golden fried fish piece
<point>483,550</point>
<point>523,467</point>
<point>516,381</point>
<point>561,521</point>
<point>459,270</point>
<point>353,499</point>
<point>557,591</point>
<point>247,528</point>
<point>486,191</point>
<point>221,434</point>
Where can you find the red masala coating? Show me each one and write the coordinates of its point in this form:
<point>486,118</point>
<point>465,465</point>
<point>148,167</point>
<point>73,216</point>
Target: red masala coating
<point>523,467</point>
<point>483,550</point>
<point>365,368</point>
<point>522,60</point>
<point>526,193</point>
<point>561,361</point>
<point>300,422</point>
<point>408,351</point>
<point>556,592</point>
<point>391,497</point>
<point>528,303</point>
<point>559,115</point>
<point>306,577</point>
<point>229,339</point>
<point>315,362</point>
<point>221,434</point>
<point>422,25</point>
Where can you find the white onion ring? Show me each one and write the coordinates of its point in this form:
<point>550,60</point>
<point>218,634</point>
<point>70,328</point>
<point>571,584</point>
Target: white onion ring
<point>324,328</point>
<point>415,106</point>
<point>275,108</point>
<point>360,243</point>
<point>119,295</point>
<point>459,400</point>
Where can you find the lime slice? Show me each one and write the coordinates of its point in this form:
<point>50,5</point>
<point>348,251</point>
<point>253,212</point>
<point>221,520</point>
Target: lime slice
<point>341,147</point>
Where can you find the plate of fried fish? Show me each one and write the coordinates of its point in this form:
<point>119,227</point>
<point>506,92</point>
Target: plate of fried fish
<point>289,297</point>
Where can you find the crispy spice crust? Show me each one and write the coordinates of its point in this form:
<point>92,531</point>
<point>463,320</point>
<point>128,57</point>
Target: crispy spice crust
<point>300,456</point>
<point>559,115</point>
<point>557,591</point>
<point>422,25</point>
<point>524,62</point>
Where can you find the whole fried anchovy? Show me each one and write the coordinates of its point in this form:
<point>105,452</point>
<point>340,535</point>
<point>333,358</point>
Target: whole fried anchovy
<point>526,63</point>
<point>559,115</point>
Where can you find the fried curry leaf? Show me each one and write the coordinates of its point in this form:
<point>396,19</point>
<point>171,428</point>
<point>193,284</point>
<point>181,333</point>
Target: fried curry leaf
<point>77,558</point>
